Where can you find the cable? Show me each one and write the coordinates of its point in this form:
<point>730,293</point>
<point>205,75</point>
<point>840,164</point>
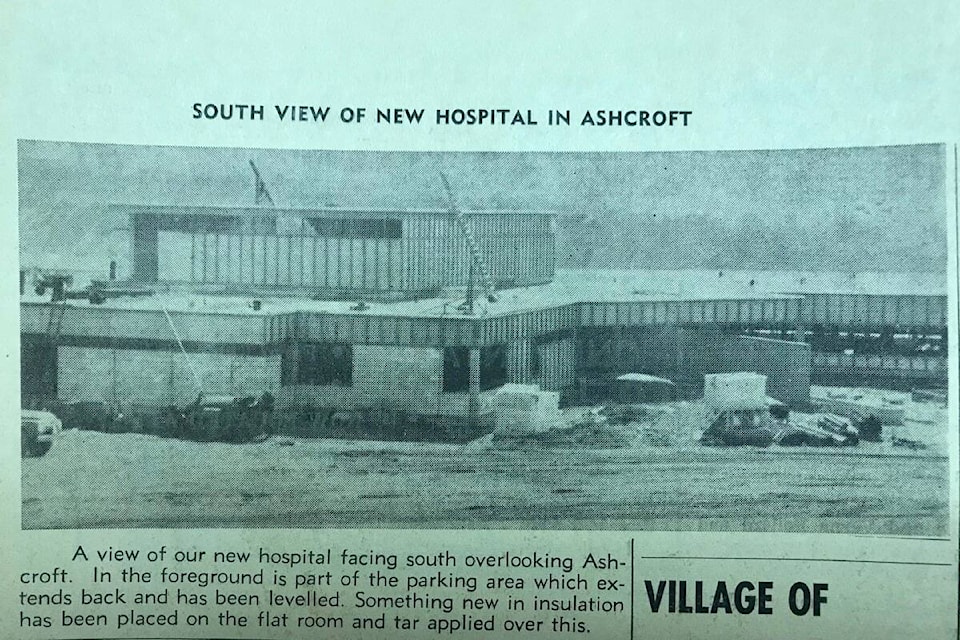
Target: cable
<point>196,378</point>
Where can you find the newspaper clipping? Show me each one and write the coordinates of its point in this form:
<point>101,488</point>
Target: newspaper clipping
<point>303,353</point>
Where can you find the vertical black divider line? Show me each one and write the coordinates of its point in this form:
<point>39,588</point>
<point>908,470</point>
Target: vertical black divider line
<point>956,257</point>
<point>631,589</point>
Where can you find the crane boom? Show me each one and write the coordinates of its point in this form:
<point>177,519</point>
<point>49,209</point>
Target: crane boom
<point>260,187</point>
<point>476,257</point>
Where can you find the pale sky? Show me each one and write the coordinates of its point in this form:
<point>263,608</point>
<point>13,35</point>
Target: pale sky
<point>65,187</point>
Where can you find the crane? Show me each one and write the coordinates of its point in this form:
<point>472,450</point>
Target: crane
<point>260,187</point>
<point>476,258</point>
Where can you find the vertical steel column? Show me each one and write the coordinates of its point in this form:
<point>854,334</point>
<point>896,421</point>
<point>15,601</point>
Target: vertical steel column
<point>518,361</point>
<point>473,392</point>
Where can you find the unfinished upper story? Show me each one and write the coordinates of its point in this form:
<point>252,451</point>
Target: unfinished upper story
<point>334,252</point>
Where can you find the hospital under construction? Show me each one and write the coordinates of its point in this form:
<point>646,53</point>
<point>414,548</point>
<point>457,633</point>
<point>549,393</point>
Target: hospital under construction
<point>409,321</point>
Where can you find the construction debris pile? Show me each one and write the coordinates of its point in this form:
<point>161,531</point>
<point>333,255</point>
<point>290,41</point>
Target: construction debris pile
<point>818,430</point>
<point>739,412</point>
<point>527,415</point>
<point>736,411</point>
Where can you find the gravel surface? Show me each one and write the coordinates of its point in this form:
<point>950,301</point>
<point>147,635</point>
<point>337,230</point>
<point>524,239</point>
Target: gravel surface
<point>91,479</point>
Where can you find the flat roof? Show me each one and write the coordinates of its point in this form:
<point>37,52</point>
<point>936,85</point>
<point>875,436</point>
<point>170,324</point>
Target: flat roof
<point>568,287</point>
<point>307,212</point>
<point>509,301</point>
<point>738,282</point>
<point>644,377</point>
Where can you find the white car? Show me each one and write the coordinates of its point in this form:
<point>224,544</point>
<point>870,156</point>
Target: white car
<point>37,431</point>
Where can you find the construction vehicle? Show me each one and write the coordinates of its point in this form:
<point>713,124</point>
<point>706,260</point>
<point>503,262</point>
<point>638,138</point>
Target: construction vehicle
<point>738,411</point>
<point>218,418</point>
<point>97,292</point>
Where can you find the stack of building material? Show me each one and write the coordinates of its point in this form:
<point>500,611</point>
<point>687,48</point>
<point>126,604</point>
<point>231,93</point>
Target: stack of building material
<point>737,410</point>
<point>888,408</point>
<point>522,409</point>
<point>734,391</point>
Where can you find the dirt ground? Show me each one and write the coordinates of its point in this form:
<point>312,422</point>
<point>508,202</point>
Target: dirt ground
<point>91,479</point>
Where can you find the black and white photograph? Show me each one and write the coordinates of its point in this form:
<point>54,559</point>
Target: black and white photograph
<point>750,340</point>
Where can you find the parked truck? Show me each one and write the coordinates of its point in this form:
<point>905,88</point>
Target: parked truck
<point>38,429</point>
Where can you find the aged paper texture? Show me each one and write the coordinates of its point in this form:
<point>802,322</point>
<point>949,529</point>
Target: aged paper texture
<point>480,321</point>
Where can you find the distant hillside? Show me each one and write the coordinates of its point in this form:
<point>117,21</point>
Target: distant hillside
<point>855,209</point>
<point>848,243</point>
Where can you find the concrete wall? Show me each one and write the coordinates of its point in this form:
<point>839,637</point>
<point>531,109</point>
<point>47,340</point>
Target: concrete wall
<point>556,359</point>
<point>374,264</point>
<point>397,378</point>
<point>198,326</point>
<point>786,364</point>
<point>407,376</point>
<point>695,353</point>
<point>686,355</point>
<point>557,365</point>
<point>160,378</point>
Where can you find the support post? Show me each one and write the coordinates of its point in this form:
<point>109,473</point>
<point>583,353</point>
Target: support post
<point>518,361</point>
<point>473,391</point>
<point>800,333</point>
